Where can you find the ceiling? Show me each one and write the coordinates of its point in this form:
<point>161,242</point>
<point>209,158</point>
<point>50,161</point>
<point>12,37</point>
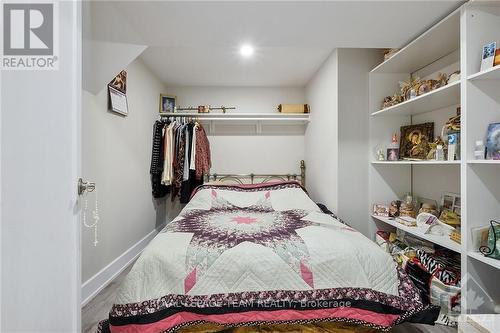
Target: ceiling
<point>196,43</point>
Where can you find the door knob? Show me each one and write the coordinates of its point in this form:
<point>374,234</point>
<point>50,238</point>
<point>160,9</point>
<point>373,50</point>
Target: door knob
<point>85,186</point>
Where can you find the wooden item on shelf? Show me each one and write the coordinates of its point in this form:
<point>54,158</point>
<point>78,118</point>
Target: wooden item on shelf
<point>293,108</point>
<point>388,53</point>
<point>456,236</point>
<point>496,61</point>
<point>414,143</point>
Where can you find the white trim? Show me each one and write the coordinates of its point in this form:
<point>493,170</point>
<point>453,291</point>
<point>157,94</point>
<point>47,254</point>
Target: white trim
<point>99,281</point>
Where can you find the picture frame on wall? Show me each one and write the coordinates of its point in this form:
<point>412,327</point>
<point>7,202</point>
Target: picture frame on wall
<point>488,56</point>
<point>167,103</point>
<point>415,139</point>
<point>117,101</point>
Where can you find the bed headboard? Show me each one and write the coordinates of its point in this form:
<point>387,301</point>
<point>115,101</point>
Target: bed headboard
<point>253,178</point>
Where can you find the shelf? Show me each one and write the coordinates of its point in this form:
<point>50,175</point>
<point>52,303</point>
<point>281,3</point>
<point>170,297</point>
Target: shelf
<point>437,42</point>
<point>417,162</point>
<point>304,117</point>
<point>434,100</point>
<point>439,240</point>
<point>489,261</point>
<point>492,73</point>
<point>488,162</point>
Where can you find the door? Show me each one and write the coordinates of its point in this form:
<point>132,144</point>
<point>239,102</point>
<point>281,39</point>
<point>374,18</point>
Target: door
<point>40,165</point>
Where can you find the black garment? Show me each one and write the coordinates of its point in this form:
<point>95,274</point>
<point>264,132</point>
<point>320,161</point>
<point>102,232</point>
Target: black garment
<point>158,189</point>
<point>189,185</point>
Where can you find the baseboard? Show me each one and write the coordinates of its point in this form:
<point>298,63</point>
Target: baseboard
<point>99,281</point>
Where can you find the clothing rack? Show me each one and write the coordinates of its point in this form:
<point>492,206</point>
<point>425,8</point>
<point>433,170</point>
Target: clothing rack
<point>222,107</point>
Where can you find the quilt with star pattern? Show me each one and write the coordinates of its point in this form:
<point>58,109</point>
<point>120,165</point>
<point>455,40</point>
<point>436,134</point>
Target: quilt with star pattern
<point>264,254</point>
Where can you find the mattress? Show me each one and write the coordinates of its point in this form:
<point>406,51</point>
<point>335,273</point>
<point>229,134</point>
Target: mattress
<point>261,255</point>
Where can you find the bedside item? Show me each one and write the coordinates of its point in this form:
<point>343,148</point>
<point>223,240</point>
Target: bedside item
<point>488,56</point>
<point>414,141</point>
<point>393,154</point>
<point>293,108</point>
<point>492,249</point>
<point>479,151</point>
<point>167,103</point>
<point>203,108</point>
<point>407,221</point>
<point>454,146</point>
<point>388,53</point>
<point>450,218</point>
<point>442,80</point>
<point>380,155</point>
<point>454,77</point>
<point>456,236</point>
<point>493,141</point>
<point>429,207</point>
<point>394,208</point>
<point>479,237</point>
<point>380,210</point>
<point>496,61</point>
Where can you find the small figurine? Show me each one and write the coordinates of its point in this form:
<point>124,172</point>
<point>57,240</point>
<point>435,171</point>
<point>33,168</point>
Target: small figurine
<point>380,155</point>
<point>442,80</point>
<point>429,208</point>
<point>394,208</point>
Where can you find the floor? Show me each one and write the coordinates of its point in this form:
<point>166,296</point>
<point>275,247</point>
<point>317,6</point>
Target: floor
<point>97,309</point>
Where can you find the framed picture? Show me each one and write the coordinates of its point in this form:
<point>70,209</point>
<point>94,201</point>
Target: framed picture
<point>380,210</point>
<point>451,202</point>
<point>488,56</point>
<point>414,143</point>
<point>120,82</point>
<point>493,141</point>
<point>117,101</point>
<point>393,154</point>
<point>167,103</point>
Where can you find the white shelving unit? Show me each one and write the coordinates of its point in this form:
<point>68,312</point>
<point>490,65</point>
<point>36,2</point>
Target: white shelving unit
<point>457,163</point>
<point>434,100</point>
<point>440,240</point>
<point>455,43</point>
<point>249,123</point>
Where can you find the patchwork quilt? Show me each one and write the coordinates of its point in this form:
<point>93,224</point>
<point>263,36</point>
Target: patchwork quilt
<point>266,254</point>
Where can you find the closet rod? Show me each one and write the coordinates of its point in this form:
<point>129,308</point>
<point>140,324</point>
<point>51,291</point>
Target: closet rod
<point>223,108</point>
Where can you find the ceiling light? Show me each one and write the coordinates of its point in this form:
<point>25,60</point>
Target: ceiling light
<point>246,50</point>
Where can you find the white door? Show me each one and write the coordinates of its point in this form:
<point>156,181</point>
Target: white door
<point>40,165</point>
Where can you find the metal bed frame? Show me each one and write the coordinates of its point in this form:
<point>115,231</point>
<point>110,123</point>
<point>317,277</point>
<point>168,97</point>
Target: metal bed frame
<point>260,178</point>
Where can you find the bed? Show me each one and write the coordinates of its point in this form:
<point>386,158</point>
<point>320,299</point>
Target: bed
<point>242,255</point>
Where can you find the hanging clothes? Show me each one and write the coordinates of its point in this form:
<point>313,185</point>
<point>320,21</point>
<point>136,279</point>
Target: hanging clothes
<point>180,158</point>
<point>157,158</point>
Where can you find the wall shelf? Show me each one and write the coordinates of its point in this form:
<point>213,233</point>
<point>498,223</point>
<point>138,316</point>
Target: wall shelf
<point>489,74</point>
<point>233,116</point>
<point>434,100</point>
<point>439,240</point>
<point>487,162</point>
<point>488,261</point>
<point>440,40</point>
<point>417,162</point>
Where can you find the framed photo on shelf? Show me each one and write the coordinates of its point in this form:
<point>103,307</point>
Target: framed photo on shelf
<point>167,103</point>
<point>488,56</point>
<point>414,143</point>
<point>493,141</point>
<point>451,202</point>
<point>393,154</point>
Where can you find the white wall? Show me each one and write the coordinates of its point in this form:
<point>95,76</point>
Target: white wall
<point>246,153</point>
<point>39,166</point>
<point>117,155</point>
<point>337,148</point>
<point>321,139</point>
<point>353,119</point>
